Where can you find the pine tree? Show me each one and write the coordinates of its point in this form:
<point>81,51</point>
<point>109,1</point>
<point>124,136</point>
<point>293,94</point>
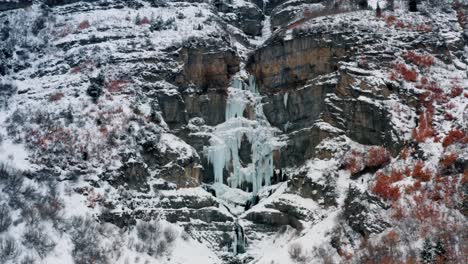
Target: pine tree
<point>378,11</point>
<point>363,4</point>
<point>427,254</point>
<point>413,5</point>
<point>440,251</point>
<point>390,5</point>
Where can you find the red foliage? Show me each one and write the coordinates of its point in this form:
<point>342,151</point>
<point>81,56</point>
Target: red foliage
<point>354,162</point>
<point>453,137</point>
<point>420,173</point>
<point>390,20</point>
<point>377,156</point>
<point>384,189</point>
<point>456,91</point>
<point>84,25</point>
<point>424,129</point>
<point>400,24</point>
<point>56,97</point>
<point>408,75</point>
<point>448,116</point>
<point>423,28</point>
<point>144,21</point>
<point>420,60</point>
<point>448,160</point>
<point>75,70</point>
<point>116,85</point>
<point>103,130</point>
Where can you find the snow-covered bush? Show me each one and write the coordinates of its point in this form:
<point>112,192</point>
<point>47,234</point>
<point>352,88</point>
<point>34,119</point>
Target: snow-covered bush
<point>8,249</point>
<point>296,252</point>
<point>160,24</point>
<point>35,238</point>
<point>85,236</point>
<point>5,218</point>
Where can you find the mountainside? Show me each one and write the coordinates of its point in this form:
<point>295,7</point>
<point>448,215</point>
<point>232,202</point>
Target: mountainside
<point>233,131</point>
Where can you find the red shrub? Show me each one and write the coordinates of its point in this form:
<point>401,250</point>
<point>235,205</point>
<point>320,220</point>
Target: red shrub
<point>144,21</point>
<point>377,156</point>
<point>448,116</point>
<point>56,96</point>
<point>423,28</point>
<point>400,24</point>
<point>391,20</point>
<point>453,137</point>
<point>84,25</point>
<point>116,85</point>
<point>448,160</point>
<point>354,162</point>
<point>456,91</point>
<point>424,129</point>
<point>383,188</point>
<point>420,60</point>
<point>75,70</point>
<point>407,74</point>
<point>420,173</point>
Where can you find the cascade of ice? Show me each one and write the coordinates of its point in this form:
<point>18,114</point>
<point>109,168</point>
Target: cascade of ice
<point>239,241</point>
<point>223,152</point>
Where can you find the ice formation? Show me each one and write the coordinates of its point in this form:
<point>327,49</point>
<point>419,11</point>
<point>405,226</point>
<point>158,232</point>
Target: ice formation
<point>239,239</point>
<point>223,152</point>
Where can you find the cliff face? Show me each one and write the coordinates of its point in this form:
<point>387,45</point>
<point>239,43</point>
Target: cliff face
<point>231,131</point>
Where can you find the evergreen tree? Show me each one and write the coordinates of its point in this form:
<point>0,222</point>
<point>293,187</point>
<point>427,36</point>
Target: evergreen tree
<point>427,254</point>
<point>95,88</point>
<point>378,11</point>
<point>440,251</point>
<point>413,5</point>
<point>363,4</point>
<point>390,5</point>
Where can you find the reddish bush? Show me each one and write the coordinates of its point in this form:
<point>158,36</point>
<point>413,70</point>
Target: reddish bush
<point>420,60</point>
<point>456,91</point>
<point>75,70</point>
<point>354,162</point>
<point>84,25</point>
<point>423,28</point>
<point>448,160</point>
<point>56,97</point>
<point>407,74</point>
<point>424,129</point>
<point>448,116</point>
<point>420,173</point>
<point>453,137</point>
<point>116,85</point>
<point>143,21</point>
<point>383,188</point>
<point>377,156</point>
<point>400,24</point>
<point>390,20</point>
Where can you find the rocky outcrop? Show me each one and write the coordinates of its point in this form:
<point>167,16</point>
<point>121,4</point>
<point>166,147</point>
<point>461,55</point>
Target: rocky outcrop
<point>362,212</point>
<point>207,65</point>
<point>274,218</point>
<point>323,191</point>
<point>289,64</point>
<point>15,4</point>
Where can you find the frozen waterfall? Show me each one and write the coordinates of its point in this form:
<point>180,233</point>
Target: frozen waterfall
<point>223,152</point>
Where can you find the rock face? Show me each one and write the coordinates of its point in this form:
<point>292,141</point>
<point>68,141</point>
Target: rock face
<point>9,5</point>
<point>274,218</point>
<point>323,192</point>
<point>362,210</point>
<point>290,64</point>
<point>207,66</point>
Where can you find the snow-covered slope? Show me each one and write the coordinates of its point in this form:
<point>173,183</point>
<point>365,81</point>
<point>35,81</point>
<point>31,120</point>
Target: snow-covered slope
<point>233,132</point>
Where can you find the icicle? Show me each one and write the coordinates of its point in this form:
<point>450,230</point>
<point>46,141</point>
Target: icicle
<point>225,143</point>
<point>239,240</point>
